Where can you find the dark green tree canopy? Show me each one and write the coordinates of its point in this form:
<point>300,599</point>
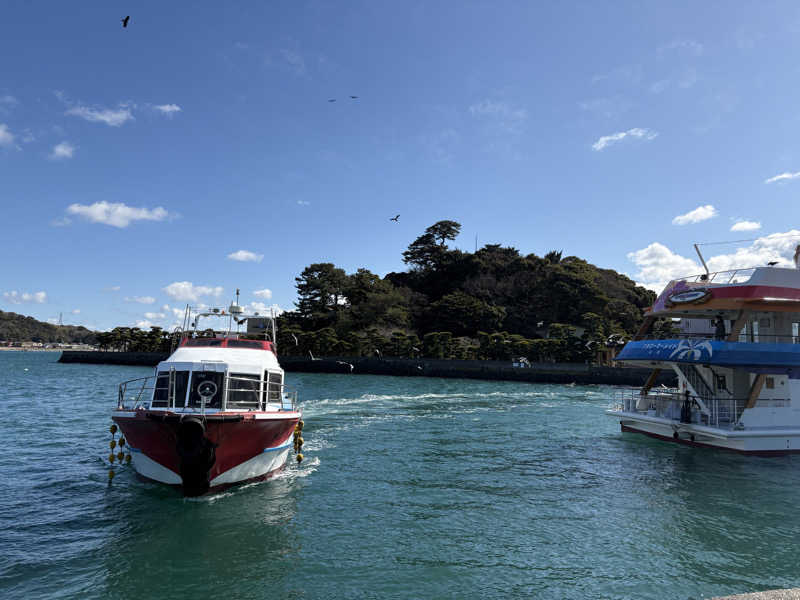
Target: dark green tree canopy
<point>452,303</point>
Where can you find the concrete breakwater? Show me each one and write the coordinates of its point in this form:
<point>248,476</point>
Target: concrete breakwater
<point>563,373</point>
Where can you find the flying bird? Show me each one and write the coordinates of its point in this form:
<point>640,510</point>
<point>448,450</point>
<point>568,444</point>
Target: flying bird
<point>332,100</point>
<point>395,218</point>
<point>125,21</point>
<point>354,97</point>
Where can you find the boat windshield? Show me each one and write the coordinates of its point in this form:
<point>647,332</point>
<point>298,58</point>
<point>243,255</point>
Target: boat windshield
<point>161,393</point>
<point>199,377</point>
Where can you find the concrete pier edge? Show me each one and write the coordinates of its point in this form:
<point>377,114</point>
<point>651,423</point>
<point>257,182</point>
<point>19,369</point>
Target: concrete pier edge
<point>563,373</point>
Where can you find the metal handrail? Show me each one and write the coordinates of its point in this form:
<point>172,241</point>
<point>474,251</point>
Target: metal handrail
<point>287,398</point>
<point>744,337</point>
<point>724,413</point>
<point>711,277</point>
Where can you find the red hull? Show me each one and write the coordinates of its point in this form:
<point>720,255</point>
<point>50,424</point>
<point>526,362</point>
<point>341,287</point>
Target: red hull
<point>236,441</point>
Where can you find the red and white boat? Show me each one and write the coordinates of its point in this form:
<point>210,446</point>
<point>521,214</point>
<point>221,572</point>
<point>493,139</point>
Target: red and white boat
<point>216,412</point>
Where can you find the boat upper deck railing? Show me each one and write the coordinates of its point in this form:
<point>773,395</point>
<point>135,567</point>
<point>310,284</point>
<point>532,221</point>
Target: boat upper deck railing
<point>721,277</point>
<point>239,394</point>
<point>231,341</point>
<point>724,412</point>
<point>744,337</point>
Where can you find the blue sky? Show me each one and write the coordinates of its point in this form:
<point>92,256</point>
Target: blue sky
<point>137,165</point>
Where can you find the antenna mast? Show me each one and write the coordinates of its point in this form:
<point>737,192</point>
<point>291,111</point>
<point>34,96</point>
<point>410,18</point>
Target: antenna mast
<point>705,266</point>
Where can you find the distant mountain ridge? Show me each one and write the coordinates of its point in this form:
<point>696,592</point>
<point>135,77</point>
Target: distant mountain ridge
<point>19,328</point>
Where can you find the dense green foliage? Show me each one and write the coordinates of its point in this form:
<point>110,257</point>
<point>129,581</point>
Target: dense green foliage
<point>19,328</point>
<point>133,339</point>
<point>494,303</point>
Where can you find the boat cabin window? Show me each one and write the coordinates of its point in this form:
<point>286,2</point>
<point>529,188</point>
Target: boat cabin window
<point>204,342</point>
<point>163,396</point>
<point>243,391</point>
<point>198,377</point>
<point>245,344</point>
<point>274,386</point>
<point>770,383</point>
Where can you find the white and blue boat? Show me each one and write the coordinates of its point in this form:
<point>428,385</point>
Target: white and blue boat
<point>732,342</point>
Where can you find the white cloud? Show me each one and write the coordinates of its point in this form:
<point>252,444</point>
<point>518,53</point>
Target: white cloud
<point>245,256</point>
<point>62,150</point>
<point>636,132</point>
<point>509,118</point>
<point>110,116</point>
<point>141,299</point>
<point>688,46</point>
<point>701,213</point>
<point>116,214</point>
<point>154,316</point>
<point>658,265</point>
<point>294,61</point>
<point>265,293</point>
<point>6,137</point>
<point>743,225</point>
<point>303,202</point>
<point>263,309</point>
<point>186,291</point>
<point>76,311</point>
<point>783,177</point>
<point>144,324</point>
<point>14,297</point>
<point>168,109</point>
<point>774,247</point>
<point>113,288</point>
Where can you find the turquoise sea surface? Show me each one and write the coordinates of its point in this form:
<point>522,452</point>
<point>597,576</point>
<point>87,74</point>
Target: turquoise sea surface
<point>411,488</point>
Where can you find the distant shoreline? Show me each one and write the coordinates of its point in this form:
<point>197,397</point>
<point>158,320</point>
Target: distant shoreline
<point>7,349</point>
<point>563,373</point>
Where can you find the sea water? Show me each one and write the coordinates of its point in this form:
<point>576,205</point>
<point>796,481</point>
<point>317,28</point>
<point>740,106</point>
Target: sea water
<point>410,488</point>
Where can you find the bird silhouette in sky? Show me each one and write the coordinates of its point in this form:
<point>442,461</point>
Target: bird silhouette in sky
<point>354,97</point>
<point>332,100</point>
<point>396,219</point>
<point>773,263</point>
<point>125,21</point>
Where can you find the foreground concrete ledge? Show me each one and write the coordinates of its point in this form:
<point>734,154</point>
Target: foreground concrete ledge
<point>563,373</point>
<point>789,594</point>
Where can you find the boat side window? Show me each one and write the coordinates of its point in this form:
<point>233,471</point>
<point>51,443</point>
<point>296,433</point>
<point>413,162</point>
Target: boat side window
<point>770,383</point>
<point>243,390</point>
<point>275,384</point>
<point>204,342</point>
<point>162,392</point>
<point>199,377</point>
<point>245,344</point>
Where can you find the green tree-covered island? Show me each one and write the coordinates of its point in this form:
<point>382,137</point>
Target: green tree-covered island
<point>493,304</point>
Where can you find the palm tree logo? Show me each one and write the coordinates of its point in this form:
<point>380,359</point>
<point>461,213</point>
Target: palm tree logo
<point>692,349</point>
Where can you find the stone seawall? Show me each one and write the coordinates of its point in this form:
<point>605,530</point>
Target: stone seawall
<point>468,369</point>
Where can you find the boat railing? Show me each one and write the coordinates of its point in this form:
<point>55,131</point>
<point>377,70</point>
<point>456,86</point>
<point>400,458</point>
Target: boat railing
<point>721,277</point>
<point>723,413</point>
<point>138,393</point>
<point>255,394</point>
<point>745,337</point>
